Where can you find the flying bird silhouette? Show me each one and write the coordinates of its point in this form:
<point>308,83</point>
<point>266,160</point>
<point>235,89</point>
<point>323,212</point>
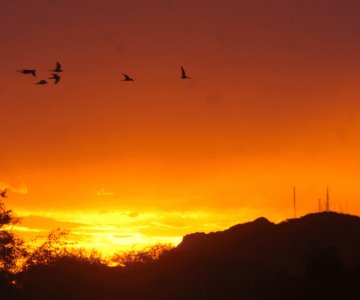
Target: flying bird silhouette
<point>127,78</point>
<point>183,74</point>
<point>27,71</point>
<point>56,78</point>
<point>3,193</point>
<point>57,68</point>
<point>41,82</point>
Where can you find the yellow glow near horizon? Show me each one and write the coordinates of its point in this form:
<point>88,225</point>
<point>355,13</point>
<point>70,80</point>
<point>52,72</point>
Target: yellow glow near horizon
<point>111,232</point>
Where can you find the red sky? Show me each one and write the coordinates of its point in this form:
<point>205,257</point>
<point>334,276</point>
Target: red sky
<point>273,102</point>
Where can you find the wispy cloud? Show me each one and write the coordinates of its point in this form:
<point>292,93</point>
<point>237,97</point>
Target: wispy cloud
<point>22,189</point>
<point>102,192</point>
<point>47,223</point>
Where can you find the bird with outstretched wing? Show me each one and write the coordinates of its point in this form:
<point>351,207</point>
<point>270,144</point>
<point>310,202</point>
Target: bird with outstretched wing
<point>127,78</point>
<point>28,71</point>
<point>183,74</point>
<point>55,77</point>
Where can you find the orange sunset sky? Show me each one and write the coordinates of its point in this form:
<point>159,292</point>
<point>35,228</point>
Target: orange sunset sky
<point>273,102</point>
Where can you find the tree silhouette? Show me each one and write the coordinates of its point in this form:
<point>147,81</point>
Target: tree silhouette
<point>12,249</point>
<point>11,246</point>
<point>143,256</point>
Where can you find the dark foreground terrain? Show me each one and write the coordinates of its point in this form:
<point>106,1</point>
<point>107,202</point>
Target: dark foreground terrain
<point>314,257</point>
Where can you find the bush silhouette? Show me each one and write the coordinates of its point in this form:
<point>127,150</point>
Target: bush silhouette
<point>12,249</point>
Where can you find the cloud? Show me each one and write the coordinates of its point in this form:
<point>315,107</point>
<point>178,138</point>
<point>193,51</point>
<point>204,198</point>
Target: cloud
<point>133,214</point>
<point>46,223</point>
<point>102,192</point>
<point>22,189</point>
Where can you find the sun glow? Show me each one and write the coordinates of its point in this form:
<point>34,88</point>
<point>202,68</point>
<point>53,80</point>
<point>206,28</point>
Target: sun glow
<point>115,231</point>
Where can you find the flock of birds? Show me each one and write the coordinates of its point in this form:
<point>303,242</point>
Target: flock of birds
<point>58,69</point>
<point>54,76</point>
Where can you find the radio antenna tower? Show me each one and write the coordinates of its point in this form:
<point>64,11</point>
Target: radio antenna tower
<point>327,203</point>
<point>294,201</point>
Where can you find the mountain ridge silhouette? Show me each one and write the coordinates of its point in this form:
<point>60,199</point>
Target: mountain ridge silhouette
<point>293,237</point>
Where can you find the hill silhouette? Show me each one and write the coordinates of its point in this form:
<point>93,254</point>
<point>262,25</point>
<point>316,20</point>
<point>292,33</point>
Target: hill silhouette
<point>313,257</point>
<point>283,246</point>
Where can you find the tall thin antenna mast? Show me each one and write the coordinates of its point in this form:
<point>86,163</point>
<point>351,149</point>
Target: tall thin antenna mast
<point>327,203</point>
<point>294,199</point>
<point>320,208</point>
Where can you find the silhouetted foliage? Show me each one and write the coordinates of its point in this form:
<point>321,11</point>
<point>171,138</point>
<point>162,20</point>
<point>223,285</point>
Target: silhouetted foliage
<point>50,250</point>
<point>143,256</point>
<point>10,244</point>
<point>12,249</point>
